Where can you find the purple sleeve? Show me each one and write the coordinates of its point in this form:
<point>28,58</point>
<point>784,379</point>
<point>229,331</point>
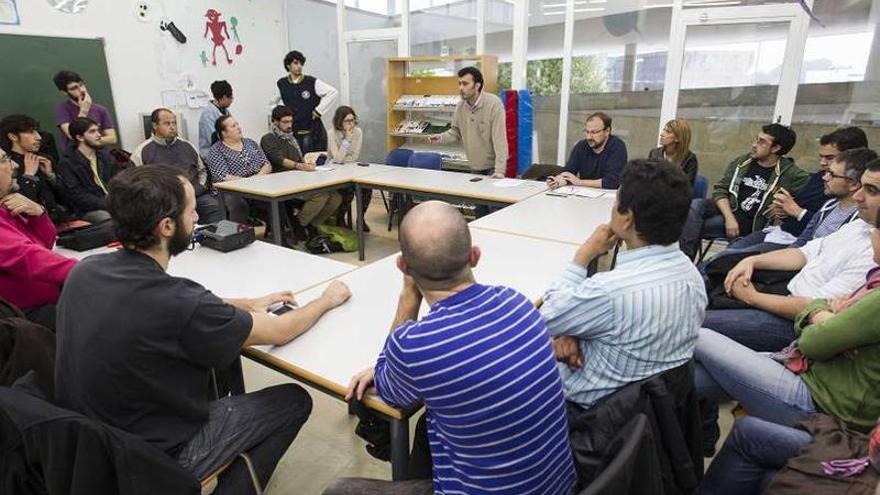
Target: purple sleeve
<point>62,114</point>
<point>104,120</point>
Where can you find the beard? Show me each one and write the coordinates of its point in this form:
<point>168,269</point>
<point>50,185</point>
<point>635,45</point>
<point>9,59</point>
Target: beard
<point>180,241</point>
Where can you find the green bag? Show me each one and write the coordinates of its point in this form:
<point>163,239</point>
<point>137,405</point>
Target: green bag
<point>346,238</point>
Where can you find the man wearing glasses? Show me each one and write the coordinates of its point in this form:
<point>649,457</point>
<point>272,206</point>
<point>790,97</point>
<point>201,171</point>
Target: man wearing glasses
<point>831,265</point>
<point>822,207</point>
<point>597,160</point>
<point>742,198</point>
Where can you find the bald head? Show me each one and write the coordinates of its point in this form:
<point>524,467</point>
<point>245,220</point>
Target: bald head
<point>435,244</point>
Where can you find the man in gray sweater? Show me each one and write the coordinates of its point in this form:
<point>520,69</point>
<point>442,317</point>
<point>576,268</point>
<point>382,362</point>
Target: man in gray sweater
<point>164,147</point>
<point>284,153</point>
<point>479,123</point>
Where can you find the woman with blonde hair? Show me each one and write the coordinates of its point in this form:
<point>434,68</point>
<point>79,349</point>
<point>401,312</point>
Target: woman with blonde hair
<point>675,147</point>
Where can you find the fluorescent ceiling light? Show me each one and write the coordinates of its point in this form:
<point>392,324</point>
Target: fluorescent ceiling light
<point>561,5</point>
<point>576,11</point>
<point>711,3</point>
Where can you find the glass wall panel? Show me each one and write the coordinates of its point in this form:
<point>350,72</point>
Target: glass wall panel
<point>840,76</point>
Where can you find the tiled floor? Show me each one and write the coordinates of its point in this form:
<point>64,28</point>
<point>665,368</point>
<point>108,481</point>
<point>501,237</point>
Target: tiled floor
<point>327,447</point>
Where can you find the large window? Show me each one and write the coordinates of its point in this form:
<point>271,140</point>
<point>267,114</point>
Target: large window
<point>618,66</point>
<point>443,27</point>
<point>840,77</point>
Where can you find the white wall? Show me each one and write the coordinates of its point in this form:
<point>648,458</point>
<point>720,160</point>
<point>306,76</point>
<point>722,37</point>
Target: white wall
<point>311,28</point>
<point>143,60</point>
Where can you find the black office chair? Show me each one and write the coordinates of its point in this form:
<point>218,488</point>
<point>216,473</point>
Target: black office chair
<point>618,475</point>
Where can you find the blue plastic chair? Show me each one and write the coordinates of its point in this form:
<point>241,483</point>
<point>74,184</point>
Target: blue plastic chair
<point>398,157</point>
<point>429,161</point>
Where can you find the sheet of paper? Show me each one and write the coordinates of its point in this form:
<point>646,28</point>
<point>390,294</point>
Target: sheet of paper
<point>587,193</point>
<point>580,191</point>
<point>507,182</point>
<point>325,168</point>
<point>564,190</point>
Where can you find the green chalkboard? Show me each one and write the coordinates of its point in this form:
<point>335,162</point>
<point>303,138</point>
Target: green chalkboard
<point>29,62</point>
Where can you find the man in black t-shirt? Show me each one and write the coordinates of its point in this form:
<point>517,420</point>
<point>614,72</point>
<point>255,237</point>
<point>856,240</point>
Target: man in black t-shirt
<point>740,200</point>
<point>136,345</point>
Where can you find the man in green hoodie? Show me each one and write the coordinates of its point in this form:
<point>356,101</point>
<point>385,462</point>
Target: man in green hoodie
<point>740,200</point>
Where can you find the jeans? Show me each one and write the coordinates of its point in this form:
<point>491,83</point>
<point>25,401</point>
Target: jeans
<point>262,423</point>
<point>704,221</point>
<point>752,243</point>
<point>208,209</point>
<point>750,457</point>
<point>754,328</point>
<point>727,370</point>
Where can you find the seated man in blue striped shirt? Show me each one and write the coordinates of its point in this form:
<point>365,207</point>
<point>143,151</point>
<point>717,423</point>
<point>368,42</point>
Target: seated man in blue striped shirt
<point>482,363</point>
<point>642,317</point>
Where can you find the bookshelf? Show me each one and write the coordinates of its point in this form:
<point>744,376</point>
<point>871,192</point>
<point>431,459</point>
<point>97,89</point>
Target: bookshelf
<point>436,76</point>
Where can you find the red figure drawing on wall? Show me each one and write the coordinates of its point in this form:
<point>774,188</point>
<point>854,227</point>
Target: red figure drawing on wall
<point>217,29</point>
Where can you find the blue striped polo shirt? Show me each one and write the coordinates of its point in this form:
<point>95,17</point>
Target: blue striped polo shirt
<point>482,362</point>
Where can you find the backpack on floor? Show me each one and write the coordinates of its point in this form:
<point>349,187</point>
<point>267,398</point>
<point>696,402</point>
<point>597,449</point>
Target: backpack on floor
<point>346,238</point>
<point>322,244</point>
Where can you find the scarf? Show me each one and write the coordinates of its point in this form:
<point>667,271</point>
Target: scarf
<point>288,137</point>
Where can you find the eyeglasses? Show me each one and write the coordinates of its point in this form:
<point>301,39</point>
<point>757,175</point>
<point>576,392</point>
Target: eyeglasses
<point>831,174</point>
<point>760,140</point>
<point>350,121</point>
<point>594,133</point>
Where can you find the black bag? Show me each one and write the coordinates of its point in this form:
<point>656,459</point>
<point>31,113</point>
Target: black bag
<point>766,281</point>
<point>322,244</point>
<point>88,237</point>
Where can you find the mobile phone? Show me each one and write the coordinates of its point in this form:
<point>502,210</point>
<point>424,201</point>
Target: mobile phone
<point>363,164</point>
<point>476,179</point>
<point>279,309</point>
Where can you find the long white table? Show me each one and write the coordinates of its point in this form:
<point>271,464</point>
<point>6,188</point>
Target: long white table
<point>253,271</point>
<point>279,187</point>
<point>569,219</point>
<point>349,338</point>
<point>445,185</point>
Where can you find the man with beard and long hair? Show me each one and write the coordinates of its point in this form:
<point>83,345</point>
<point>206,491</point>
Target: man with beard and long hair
<point>597,160</point>
<point>136,345</point>
<point>86,170</point>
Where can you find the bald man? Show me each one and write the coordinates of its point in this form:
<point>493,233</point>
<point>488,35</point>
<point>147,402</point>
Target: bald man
<point>482,363</point>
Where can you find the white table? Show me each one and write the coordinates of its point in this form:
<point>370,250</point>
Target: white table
<point>349,338</point>
<point>253,271</point>
<point>445,185</point>
<point>569,219</point>
<point>279,187</point>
